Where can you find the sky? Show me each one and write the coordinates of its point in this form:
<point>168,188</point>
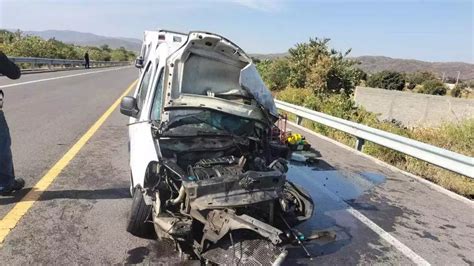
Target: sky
<point>436,30</point>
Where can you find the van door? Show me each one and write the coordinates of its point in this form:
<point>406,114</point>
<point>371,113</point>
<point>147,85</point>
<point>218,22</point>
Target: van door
<point>141,146</point>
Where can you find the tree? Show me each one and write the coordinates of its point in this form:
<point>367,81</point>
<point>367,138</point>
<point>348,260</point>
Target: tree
<point>299,64</point>
<point>6,37</point>
<point>119,54</point>
<point>275,73</point>
<point>418,77</point>
<point>17,44</point>
<point>389,80</point>
<point>456,91</point>
<point>255,60</point>
<point>97,54</point>
<point>105,48</point>
<point>360,74</point>
<point>433,87</point>
<point>316,66</point>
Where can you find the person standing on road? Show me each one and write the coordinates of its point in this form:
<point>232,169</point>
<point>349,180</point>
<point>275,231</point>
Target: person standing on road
<point>86,59</point>
<point>8,182</point>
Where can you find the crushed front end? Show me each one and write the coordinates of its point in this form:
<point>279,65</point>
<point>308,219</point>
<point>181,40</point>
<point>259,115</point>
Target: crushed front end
<point>219,189</point>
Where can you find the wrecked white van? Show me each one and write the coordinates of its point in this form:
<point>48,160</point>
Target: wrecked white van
<point>205,170</point>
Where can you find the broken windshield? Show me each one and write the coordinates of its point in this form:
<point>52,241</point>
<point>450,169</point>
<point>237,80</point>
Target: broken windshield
<point>194,122</point>
<point>157,99</point>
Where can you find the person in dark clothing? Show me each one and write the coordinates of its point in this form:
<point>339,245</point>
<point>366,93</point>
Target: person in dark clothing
<point>86,59</point>
<point>8,182</point>
<point>8,68</point>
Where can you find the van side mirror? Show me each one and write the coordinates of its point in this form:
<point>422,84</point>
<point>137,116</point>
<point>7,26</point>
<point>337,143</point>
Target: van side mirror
<point>128,106</point>
<point>139,62</point>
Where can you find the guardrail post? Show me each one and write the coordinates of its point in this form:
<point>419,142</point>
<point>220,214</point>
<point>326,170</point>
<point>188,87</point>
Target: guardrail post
<point>299,119</point>
<point>359,144</point>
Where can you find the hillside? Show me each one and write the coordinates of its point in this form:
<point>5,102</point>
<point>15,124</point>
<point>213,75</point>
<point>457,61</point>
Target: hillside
<point>82,38</point>
<point>268,56</point>
<point>373,64</point>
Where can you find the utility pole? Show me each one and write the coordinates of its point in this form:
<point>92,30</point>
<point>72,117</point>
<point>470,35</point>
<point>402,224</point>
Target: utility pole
<point>457,79</point>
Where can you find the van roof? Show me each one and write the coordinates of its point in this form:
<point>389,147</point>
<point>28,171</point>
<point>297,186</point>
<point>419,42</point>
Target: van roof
<point>161,36</point>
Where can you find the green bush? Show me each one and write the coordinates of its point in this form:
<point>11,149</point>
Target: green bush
<point>418,77</point>
<point>456,92</point>
<point>275,73</point>
<point>388,80</point>
<point>294,95</point>
<point>433,87</point>
<point>470,84</point>
<point>411,86</point>
<point>120,54</point>
<point>16,44</point>
<point>312,65</point>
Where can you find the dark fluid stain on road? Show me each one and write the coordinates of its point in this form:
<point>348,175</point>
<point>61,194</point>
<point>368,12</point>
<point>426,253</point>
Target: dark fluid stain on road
<point>346,186</point>
<point>156,252</point>
<point>137,255</point>
<point>332,191</point>
<point>373,177</point>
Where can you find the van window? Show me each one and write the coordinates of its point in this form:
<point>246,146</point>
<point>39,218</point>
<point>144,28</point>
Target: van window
<point>158,98</point>
<point>143,89</point>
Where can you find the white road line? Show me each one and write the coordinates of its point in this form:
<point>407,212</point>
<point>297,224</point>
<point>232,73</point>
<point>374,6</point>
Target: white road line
<point>60,77</point>
<point>417,259</point>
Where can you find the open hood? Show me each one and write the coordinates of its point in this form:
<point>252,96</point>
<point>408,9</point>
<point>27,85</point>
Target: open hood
<point>209,66</point>
<point>251,81</point>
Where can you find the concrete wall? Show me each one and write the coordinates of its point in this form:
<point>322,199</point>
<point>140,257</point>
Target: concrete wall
<point>414,109</point>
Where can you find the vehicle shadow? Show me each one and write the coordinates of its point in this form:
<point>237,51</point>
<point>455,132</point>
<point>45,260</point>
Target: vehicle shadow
<point>316,165</point>
<point>92,194</point>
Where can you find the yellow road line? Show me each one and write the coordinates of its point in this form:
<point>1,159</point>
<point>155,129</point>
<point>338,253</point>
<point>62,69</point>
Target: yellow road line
<point>21,208</point>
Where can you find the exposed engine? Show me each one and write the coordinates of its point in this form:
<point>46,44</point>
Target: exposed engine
<point>221,200</point>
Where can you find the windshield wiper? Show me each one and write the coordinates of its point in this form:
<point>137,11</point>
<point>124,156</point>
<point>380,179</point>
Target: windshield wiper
<point>143,121</point>
<point>209,133</point>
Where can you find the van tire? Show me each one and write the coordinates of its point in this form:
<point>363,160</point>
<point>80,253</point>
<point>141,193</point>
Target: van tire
<point>138,222</point>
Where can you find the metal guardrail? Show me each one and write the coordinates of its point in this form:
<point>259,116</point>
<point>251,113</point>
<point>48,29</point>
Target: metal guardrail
<point>455,162</point>
<point>51,63</point>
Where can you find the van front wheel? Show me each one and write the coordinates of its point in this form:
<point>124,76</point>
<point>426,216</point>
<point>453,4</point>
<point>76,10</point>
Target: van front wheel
<point>138,222</point>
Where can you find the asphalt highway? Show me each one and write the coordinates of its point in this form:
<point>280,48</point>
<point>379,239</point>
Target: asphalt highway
<point>379,215</point>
